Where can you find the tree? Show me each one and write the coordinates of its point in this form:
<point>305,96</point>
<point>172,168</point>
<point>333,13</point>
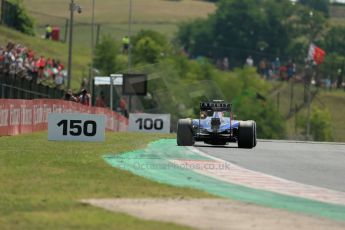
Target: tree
<point>147,50</point>
<point>149,46</point>
<point>247,105</point>
<point>270,124</point>
<point>106,53</point>
<point>333,41</point>
<point>197,37</point>
<point>306,26</point>
<point>258,28</point>
<point>15,15</point>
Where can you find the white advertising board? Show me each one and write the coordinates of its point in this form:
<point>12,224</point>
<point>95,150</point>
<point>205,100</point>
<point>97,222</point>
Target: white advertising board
<point>105,80</point>
<point>76,127</point>
<point>149,123</point>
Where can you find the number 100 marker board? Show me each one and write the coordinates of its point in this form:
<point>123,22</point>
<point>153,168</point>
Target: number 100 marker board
<point>150,123</point>
<point>76,127</point>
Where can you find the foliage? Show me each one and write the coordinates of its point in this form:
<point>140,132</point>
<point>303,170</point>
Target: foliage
<point>241,28</point>
<point>184,83</point>
<point>334,45</point>
<point>333,41</point>
<point>270,124</point>
<point>106,53</point>
<point>147,50</point>
<point>247,106</point>
<point>22,21</point>
<point>197,37</point>
<point>149,47</point>
<point>320,125</point>
<point>333,66</point>
<point>306,26</point>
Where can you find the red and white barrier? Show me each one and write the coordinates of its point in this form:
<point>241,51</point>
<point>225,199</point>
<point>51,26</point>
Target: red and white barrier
<point>26,116</point>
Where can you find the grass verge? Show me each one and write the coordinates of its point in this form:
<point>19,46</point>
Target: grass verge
<point>42,181</point>
<point>334,102</point>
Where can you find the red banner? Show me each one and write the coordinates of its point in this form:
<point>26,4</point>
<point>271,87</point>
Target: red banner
<point>26,116</point>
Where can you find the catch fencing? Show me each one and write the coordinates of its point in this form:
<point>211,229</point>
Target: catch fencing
<point>27,116</point>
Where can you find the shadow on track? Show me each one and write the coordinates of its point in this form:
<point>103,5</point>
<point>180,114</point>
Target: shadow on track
<point>215,146</point>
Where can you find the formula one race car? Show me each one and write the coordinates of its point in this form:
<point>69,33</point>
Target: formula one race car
<point>215,126</point>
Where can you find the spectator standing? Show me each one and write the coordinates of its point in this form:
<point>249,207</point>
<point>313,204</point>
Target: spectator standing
<point>48,72</point>
<point>49,31</point>
<point>41,64</point>
<point>85,98</point>
<point>283,72</point>
<point>69,96</point>
<point>225,64</point>
<point>249,61</point>
<point>10,46</point>
<point>2,57</point>
<point>125,44</point>
<point>123,109</point>
<point>263,68</point>
<point>84,84</point>
<point>100,100</point>
<point>291,69</point>
<point>276,66</point>
<point>339,78</point>
<point>30,53</point>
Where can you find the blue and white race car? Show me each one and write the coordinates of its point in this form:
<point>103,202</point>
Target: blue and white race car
<point>216,127</point>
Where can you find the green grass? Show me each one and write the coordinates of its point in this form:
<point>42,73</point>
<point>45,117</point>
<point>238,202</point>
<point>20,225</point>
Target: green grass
<point>334,102</point>
<point>283,99</point>
<point>110,11</point>
<point>160,15</point>
<point>42,181</point>
<point>337,11</point>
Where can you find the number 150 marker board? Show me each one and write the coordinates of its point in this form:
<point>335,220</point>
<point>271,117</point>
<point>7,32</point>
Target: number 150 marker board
<point>76,127</point>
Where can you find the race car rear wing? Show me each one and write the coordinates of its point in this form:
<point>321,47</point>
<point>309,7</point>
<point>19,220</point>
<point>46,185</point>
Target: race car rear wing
<point>215,106</point>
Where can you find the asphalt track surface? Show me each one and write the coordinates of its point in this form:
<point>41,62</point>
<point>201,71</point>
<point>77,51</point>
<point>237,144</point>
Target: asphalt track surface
<point>318,164</point>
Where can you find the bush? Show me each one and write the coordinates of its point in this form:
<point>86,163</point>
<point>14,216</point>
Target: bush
<point>147,50</point>
<point>149,47</point>
<point>106,56</point>
<point>19,18</point>
<point>238,29</point>
<point>320,125</point>
<point>270,124</point>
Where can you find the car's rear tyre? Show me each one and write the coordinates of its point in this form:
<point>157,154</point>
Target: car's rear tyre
<point>247,134</point>
<point>254,133</point>
<point>185,132</point>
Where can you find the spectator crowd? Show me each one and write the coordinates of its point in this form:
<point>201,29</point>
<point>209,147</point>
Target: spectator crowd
<point>18,60</point>
<point>268,69</point>
<point>276,70</point>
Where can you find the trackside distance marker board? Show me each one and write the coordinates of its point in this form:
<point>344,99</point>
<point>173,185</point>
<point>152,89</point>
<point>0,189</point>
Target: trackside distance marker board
<point>149,123</point>
<point>76,127</point>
